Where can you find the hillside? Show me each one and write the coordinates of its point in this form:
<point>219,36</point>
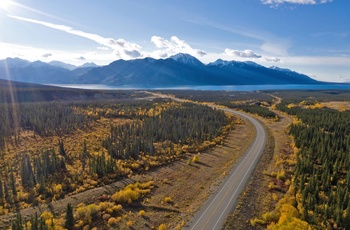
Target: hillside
<point>177,70</point>
<point>12,92</point>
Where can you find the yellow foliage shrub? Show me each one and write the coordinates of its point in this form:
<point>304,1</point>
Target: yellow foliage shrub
<point>195,159</point>
<point>46,215</point>
<point>142,213</point>
<point>291,224</point>
<point>271,216</point>
<point>94,209</point>
<point>162,227</point>
<point>129,223</point>
<point>84,214</point>
<point>105,205</point>
<point>79,224</point>
<point>281,175</point>
<point>57,189</point>
<point>289,210</point>
<point>117,208</point>
<point>135,166</point>
<point>131,192</point>
<point>255,221</point>
<point>146,185</point>
<point>168,199</point>
<point>114,221</point>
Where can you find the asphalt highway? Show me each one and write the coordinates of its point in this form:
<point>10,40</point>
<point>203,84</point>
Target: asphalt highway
<point>214,212</point>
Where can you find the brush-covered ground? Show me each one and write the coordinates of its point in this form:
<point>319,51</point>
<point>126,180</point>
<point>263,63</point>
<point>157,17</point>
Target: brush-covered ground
<point>112,164</point>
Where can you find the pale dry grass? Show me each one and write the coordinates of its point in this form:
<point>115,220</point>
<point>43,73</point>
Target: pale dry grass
<point>337,105</point>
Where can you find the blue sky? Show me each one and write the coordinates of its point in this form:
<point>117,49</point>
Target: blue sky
<point>308,36</point>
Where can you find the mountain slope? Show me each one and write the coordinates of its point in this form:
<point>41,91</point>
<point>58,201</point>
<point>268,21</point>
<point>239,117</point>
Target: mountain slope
<point>38,72</point>
<point>62,65</point>
<point>178,70</point>
<point>183,69</point>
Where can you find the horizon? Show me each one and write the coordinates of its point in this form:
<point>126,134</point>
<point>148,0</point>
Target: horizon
<point>140,58</point>
<point>312,42</point>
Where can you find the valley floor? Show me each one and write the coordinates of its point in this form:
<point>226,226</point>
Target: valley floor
<point>188,186</point>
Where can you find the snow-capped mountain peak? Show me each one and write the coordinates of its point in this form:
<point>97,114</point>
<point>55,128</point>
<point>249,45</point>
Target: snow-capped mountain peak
<point>219,62</point>
<point>280,69</point>
<point>186,59</point>
<point>88,64</point>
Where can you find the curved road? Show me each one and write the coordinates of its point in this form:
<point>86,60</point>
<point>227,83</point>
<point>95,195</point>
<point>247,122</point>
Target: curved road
<point>214,212</point>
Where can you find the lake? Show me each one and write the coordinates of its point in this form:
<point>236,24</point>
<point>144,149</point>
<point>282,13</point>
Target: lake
<point>213,87</point>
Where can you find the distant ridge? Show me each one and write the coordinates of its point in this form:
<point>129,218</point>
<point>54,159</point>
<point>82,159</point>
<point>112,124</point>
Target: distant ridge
<point>13,92</point>
<point>177,70</point>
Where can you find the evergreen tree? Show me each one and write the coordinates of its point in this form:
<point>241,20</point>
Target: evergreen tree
<point>17,224</point>
<point>62,152</point>
<point>84,155</point>
<point>69,222</point>
<point>13,183</point>
<point>7,193</point>
<point>1,190</point>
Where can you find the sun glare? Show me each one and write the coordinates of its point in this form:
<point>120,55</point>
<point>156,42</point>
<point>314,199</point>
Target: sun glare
<point>5,4</point>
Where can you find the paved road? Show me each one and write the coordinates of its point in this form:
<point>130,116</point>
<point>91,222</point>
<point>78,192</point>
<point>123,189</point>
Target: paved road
<point>215,211</point>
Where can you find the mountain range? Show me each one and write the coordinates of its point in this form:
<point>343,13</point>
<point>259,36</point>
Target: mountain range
<point>178,70</point>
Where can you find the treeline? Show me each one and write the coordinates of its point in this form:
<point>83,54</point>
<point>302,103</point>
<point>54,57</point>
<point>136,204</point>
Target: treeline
<point>322,174</point>
<point>310,95</point>
<point>58,118</point>
<point>252,102</point>
<point>186,125</point>
<point>19,92</point>
<point>252,107</point>
<point>144,134</point>
<point>219,96</point>
<point>133,109</point>
<point>45,118</point>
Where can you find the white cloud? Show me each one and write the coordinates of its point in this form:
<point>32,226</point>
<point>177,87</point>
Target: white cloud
<point>133,53</point>
<point>302,2</point>
<point>47,55</point>
<point>272,59</point>
<point>81,58</point>
<point>243,54</point>
<point>103,48</point>
<point>159,54</point>
<point>174,46</point>
<point>122,47</point>
<point>31,53</point>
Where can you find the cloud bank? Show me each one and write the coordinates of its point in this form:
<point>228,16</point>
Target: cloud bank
<point>301,2</point>
<point>173,46</point>
<point>122,48</point>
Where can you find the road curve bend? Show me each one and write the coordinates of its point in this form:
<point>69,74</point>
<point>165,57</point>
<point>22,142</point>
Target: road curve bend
<point>214,212</point>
